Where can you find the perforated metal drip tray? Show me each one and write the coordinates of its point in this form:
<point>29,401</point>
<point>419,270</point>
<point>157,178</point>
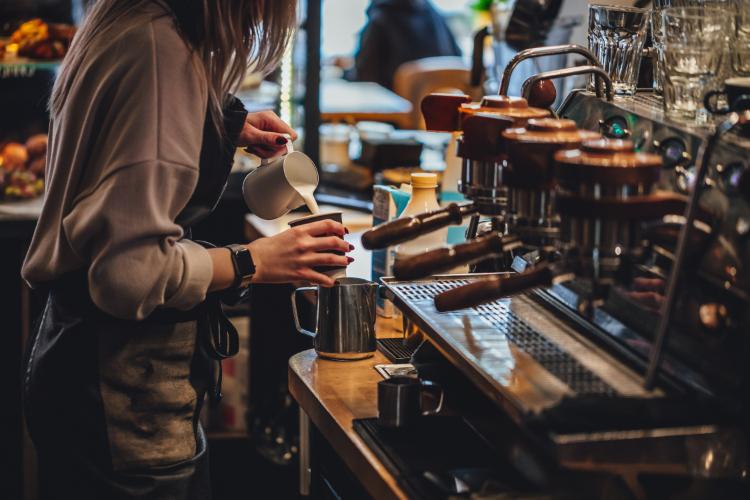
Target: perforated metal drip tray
<point>513,349</point>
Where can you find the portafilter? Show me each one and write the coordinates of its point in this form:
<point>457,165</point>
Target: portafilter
<point>528,177</point>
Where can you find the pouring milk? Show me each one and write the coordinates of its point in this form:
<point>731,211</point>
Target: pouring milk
<point>301,183</point>
<point>281,184</point>
<point>306,192</point>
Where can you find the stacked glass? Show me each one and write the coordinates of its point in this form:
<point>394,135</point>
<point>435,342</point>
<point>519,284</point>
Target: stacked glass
<point>656,27</point>
<point>693,47</point>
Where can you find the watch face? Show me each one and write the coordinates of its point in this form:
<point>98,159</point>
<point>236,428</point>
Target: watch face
<point>245,263</point>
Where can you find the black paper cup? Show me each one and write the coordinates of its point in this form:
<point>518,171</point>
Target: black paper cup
<point>334,272</point>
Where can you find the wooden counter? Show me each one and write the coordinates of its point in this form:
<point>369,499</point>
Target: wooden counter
<point>332,394</point>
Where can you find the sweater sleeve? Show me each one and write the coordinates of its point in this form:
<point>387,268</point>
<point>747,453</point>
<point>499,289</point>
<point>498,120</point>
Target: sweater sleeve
<point>126,229</point>
<point>144,169</point>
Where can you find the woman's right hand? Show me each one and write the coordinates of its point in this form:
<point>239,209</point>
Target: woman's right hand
<point>291,256</point>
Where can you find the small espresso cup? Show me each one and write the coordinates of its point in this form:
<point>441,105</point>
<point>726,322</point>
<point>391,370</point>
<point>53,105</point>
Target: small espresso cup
<point>737,93</point>
<point>400,401</point>
<point>335,272</point>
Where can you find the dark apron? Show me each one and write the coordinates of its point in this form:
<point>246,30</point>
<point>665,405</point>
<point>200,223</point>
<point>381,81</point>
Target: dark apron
<point>112,405</point>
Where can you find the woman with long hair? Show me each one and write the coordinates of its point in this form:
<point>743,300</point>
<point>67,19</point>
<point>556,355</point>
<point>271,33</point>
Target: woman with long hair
<point>142,132</point>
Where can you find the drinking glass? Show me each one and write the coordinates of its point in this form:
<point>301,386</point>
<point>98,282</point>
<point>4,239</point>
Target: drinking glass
<point>658,6</point>
<point>656,27</point>
<point>689,72</point>
<point>697,23</point>
<point>693,49</point>
<point>741,57</point>
<point>616,38</point>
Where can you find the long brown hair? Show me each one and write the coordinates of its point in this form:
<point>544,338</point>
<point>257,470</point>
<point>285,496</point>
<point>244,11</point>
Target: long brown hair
<point>230,37</point>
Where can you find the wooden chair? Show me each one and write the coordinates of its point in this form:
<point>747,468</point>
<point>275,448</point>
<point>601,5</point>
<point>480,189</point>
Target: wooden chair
<point>415,79</point>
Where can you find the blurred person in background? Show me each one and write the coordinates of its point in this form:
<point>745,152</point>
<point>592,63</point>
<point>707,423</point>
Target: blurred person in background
<point>397,32</point>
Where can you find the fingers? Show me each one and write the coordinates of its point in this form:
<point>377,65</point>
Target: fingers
<point>325,259</point>
<point>324,228</point>
<point>263,142</point>
<point>317,278</point>
<point>268,121</point>
<point>272,140</point>
<point>324,243</point>
<point>263,151</point>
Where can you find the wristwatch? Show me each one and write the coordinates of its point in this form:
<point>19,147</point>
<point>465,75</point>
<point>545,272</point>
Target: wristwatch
<point>244,267</point>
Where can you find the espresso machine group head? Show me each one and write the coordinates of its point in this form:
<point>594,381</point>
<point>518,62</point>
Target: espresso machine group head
<point>482,149</point>
<point>605,192</point>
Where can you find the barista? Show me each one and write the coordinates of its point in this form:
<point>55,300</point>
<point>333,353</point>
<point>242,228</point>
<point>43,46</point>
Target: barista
<point>141,140</point>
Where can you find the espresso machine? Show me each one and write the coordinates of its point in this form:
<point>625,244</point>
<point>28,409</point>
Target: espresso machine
<point>617,331</point>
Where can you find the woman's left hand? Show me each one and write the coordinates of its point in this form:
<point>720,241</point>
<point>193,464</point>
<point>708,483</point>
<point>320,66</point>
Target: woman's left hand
<point>264,134</point>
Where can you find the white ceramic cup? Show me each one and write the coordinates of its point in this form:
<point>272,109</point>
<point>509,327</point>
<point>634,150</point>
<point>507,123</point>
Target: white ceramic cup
<point>274,188</point>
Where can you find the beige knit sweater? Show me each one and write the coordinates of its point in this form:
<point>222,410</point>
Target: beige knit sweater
<point>123,162</point>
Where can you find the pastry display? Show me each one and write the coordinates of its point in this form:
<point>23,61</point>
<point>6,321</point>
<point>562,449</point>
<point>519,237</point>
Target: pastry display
<point>35,39</point>
<point>22,168</point>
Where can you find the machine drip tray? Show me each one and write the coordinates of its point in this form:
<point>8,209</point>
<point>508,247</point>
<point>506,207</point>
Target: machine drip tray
<point>459,462</point>
<point>395,350</point>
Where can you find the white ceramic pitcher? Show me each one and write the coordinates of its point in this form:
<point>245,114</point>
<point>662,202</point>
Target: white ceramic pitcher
<point>280,184</point>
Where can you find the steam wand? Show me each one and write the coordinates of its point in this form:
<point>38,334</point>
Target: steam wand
<point>667,311</point>
<point>540,52</point>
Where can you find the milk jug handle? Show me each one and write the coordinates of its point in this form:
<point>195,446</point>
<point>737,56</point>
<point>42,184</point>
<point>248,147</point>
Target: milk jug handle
<point>295,313</point>
<point>289,149</point>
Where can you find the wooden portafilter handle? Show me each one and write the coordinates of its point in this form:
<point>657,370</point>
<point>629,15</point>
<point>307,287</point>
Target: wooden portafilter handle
<point>446,258</point>
<point>407,228</point>
<point>487,290</point>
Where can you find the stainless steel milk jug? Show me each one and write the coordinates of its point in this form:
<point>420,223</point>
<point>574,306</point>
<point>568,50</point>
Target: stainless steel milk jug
<point>345,319</point>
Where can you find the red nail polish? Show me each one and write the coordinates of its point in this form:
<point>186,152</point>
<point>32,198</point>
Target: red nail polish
<point>280,141</point>
<point>351,247</point>
<point>350,259</point>
<point>346,230</point>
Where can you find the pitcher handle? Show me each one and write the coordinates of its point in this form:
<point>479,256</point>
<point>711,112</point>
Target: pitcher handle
<point>295,314</point>
<point>435,388</point>
<point>289,149</point>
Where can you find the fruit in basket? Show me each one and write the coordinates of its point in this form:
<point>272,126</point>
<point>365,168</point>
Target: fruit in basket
<point>14,156</point>
<point>36,146</point>
<point>32,31</point>
<point>62,32</point>
<point>22,168</point>
<point>39,40</point>
<point>23,184</point>
<point>37,166</point>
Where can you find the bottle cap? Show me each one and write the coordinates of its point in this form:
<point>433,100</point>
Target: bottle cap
<point>423,180</point>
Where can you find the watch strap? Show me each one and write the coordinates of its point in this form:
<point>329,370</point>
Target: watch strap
<point>242,261</point>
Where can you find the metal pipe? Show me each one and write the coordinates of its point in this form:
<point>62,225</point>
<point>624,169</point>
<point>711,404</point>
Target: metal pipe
<point>312,28</point>
<point>575,70</point>
<point>305,474</point>
<point>662,330</point>
<point>543,51</point>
